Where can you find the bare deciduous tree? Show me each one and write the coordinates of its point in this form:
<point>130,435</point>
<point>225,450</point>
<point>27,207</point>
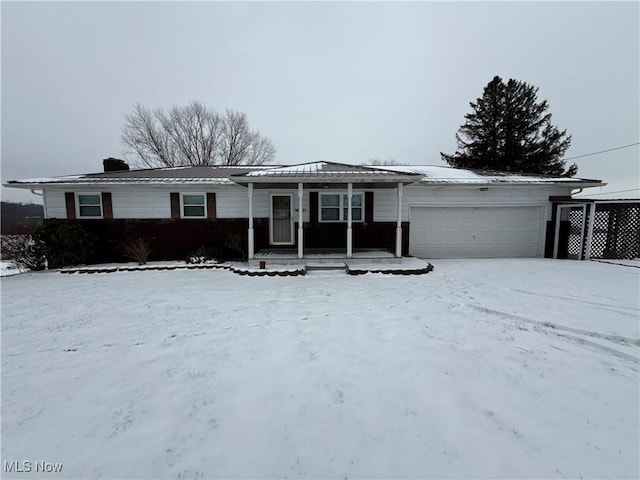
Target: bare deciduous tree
<point>376,162</point>
<point>193,135</point>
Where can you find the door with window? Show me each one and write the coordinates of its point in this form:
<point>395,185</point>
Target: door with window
<point>281,220</point>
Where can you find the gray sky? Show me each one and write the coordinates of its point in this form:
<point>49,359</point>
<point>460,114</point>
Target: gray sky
<point>343,82</point>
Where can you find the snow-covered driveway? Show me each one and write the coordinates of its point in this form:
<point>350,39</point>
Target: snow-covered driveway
<point>494,368</point>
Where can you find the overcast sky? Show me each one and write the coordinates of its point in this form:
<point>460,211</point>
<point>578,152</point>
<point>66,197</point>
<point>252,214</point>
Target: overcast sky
<point>344,82</point>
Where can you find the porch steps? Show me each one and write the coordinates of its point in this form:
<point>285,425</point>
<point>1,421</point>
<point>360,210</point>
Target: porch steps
<point>325,266</point>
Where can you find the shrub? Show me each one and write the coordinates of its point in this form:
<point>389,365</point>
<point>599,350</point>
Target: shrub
<point>65,243</point>
<point>235,242</point>
<point>23,250</point>
<point>136,248</point>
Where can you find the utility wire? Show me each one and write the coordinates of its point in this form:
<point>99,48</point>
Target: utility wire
<point>608,193</point>
<point>603,151</point>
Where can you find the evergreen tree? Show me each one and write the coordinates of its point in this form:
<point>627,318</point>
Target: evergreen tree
<point>509,130</point>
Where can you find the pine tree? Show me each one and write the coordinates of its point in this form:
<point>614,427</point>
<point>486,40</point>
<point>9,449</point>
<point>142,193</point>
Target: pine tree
<point>509,130</point>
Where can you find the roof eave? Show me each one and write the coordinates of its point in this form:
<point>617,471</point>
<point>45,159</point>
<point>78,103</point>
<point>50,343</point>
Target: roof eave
<point>325,179</point>
<point>505,183</point>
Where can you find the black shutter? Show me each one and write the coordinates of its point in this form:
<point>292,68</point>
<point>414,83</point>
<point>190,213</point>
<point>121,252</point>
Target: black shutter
<point>313,207</point>
<point>107,206</point>
<point>70,201</point>
<point>368,207</point>
<point>175,205</point>
<point>211,206</point>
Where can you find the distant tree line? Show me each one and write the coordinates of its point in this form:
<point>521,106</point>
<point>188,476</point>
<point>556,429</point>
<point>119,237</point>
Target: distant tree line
<point>20,218</point>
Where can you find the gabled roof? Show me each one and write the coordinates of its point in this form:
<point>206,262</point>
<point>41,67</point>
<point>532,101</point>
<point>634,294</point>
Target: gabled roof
<point>315,172</point>
<point>330,172</point>
<point>319,169</point>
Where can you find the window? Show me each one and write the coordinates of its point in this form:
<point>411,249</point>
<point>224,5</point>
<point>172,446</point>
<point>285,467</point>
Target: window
<point>193,205</point>
<point>334,207</point>
<point>89,205</point>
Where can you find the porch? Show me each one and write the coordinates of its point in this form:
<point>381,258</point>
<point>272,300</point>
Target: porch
<point>334,208</point>
<point>323,256</point>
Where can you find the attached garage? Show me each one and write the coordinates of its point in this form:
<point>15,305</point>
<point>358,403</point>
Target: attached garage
<point>476,232</point>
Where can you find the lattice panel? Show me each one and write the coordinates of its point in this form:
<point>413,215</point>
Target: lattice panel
<point>575,233</point>
<point>616,231</point>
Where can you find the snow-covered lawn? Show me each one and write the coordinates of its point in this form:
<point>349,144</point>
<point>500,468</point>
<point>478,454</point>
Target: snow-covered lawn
<point>8,268</point>
<point>494,368</point>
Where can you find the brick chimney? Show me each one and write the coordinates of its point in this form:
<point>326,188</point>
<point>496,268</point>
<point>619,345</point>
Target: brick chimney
<point>114,164</point>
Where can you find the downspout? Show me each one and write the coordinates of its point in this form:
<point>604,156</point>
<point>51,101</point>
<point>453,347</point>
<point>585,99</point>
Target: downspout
<point>578,192</point>
<point>44,203</point>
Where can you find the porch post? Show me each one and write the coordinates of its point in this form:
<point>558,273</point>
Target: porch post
<point>556,233</point>
<point>399,223</point>
<point>300,230</point>
<point>592,215</point>
<point>349,221</point>
<point>250,233</point>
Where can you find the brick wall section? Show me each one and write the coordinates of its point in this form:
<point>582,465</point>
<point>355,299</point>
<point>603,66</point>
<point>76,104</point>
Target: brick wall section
<point>176,239</point>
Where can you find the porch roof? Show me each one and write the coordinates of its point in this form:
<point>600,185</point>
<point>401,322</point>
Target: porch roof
<point>324,173</point>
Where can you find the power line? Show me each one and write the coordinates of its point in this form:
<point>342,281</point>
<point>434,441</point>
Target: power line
<point>609,193</point>
<point>603,151</point>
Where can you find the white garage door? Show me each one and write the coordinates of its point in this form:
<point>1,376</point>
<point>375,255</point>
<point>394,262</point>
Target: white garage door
<point>475,232</point>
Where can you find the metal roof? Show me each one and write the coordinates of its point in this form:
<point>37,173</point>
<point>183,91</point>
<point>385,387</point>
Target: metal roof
<point>322,169</point>
<point>329,172</point>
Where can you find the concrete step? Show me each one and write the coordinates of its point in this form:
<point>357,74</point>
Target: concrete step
<point>325,266</point>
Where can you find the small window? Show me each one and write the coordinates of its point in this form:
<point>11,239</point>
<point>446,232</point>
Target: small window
<point>330,210</point>
<point>193,205</point>
<point>89,205</point>
<point>334,207</point>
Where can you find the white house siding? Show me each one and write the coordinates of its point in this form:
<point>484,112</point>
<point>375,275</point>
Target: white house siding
<point>137,201</point>
<point>386,206</point>
<point>54,204</point>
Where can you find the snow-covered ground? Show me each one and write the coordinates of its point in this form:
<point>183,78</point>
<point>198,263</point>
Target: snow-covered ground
<point>485,368</point>
<point>8,268</point>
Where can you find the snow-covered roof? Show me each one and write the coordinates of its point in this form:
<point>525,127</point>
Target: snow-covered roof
<point>441,174</point>
<point>168,175</point>
<point>323,169</point>
<point>312,172</point>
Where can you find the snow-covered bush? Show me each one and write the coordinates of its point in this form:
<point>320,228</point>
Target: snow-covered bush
<point>23,250</point>
<point>200,255</point>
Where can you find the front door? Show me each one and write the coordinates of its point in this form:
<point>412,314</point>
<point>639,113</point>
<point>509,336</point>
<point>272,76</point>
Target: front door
<point>281,220</point>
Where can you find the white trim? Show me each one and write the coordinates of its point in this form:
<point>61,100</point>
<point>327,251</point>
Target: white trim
<point>613,201</point>
<point>592,218</point>
<point>271,195</point>
<point>77,202</point>
<point>44,202</point>
<point>250,233</point>
<point>300,221</point>
<point>341,207</point>
<point>399,222</point>
<point>556,238</point>
<point>350,218</point>
<point>204,196</point>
